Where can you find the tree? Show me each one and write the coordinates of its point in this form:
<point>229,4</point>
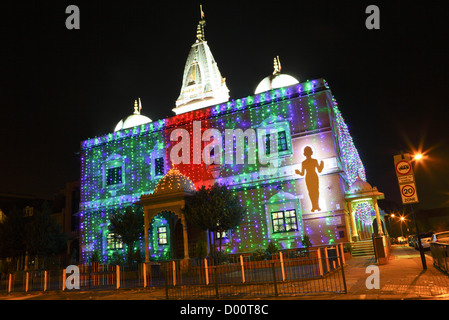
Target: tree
<point>43,236</point>
<point>12,244</point>
<point>128,227</point>
<point>214,209</point>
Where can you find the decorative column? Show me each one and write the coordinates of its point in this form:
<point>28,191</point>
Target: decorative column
<point>379,222</point>
<point>184,233</point>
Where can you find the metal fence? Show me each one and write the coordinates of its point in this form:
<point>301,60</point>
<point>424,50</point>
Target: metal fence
<point>285,273</point>
<point>321,271</point>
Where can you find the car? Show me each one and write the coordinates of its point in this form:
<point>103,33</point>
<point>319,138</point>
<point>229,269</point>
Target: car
<point>425,240</point>
<point>440,237</point>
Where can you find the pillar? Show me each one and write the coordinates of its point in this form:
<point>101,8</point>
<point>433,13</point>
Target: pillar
<point>184,234</point>
<point>379,222</point>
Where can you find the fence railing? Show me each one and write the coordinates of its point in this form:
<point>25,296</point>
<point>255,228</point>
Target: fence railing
<point>320,270</point>
<point>440,255</point>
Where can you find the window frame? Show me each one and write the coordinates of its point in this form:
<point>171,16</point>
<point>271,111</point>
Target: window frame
<point>159,233</point>
<point>290,226</point>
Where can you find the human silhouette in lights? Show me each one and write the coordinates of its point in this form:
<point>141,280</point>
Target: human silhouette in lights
<point>309,167</point>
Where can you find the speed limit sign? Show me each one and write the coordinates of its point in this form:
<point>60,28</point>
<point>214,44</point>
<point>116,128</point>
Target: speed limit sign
<point>408,193</point>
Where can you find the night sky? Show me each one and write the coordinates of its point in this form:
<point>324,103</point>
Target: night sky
<point>60,87</point>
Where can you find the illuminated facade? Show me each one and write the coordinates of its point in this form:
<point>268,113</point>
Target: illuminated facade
<point>314,166</point>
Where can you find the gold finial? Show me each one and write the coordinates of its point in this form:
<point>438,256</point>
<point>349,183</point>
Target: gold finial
<point>201,12</point>
<point>136,107</point>
<point>277,65</point>
<point>200,29</point>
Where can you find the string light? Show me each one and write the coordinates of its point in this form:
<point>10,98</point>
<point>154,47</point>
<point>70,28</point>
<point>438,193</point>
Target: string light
<point>118,168</point>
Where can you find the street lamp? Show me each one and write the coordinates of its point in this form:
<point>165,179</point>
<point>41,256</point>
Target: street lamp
<point>402,220</point>
<point>417,157</point>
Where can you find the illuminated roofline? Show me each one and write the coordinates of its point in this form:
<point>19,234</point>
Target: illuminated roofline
<point>298,90</point>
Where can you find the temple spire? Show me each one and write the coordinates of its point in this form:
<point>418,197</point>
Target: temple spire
<point>202,83</point>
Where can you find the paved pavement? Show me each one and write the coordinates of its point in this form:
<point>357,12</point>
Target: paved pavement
<point>401,278</point>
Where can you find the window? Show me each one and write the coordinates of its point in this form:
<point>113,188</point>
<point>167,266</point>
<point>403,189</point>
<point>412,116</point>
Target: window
<point>113,242</point>
<point>162,235</point>
<point>282,142</point>
<point>222,235</point>
<point>159,166</point>
<point>114,176</point>
<point>284,220</point>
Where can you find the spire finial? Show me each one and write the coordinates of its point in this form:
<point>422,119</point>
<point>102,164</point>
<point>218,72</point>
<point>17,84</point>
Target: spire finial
<point>277,65</point>
<point>200,29</point>
<point>136,107</point>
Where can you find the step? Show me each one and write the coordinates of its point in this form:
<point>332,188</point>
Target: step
<point>362,248</point>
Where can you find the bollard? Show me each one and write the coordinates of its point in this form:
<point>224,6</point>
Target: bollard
<point>206,267</point>
<point>281,256</point>
<point>174,273</point>
<point>27,280</point>
<point>342,253</point>
<point>118,276</point>
<point>64,278</point>
<point>45,280</point>
<point>10,283</point>
<point>243,270</point>
<point>144,267</point>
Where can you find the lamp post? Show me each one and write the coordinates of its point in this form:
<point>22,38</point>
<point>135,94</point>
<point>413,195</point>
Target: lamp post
<point>418,157</point>
<point>402,219</point>
<point>406,181</point>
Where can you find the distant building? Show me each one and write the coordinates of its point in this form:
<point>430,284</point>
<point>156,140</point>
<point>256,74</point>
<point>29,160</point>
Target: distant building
<point>65,208</point>
<point>303,173</point>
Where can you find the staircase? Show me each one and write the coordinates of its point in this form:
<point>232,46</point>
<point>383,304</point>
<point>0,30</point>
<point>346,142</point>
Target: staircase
<point>362,248</point>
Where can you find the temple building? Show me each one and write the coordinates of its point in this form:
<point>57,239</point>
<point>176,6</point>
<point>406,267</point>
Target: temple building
<point>284,151</point>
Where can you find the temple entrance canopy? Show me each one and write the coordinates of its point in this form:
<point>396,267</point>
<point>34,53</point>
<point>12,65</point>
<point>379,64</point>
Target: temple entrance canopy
<point>361,199</point>
<point>166,234</point>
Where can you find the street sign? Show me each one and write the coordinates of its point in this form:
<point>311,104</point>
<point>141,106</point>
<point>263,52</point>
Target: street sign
<point>403,167</point>
<point>408,193</point>
<point>406,178</point>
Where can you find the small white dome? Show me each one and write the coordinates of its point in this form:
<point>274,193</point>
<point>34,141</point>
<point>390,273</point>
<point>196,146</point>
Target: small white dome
<point>275,81</point>
<point>136,119</point>
<point>132,121</point>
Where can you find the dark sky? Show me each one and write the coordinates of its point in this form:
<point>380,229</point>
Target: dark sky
<point>59,86</point>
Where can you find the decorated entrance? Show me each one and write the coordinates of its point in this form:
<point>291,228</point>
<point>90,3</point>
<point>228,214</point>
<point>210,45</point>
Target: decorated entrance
<point>364,216</point>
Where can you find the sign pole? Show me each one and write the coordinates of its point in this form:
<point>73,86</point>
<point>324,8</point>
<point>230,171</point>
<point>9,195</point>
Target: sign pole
<point>406,180</point>
<point>421,250</point>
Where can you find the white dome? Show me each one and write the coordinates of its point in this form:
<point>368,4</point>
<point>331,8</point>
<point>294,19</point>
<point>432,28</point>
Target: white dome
<point>275,81</point>
<point>132,121</point>
<point>136,119</point>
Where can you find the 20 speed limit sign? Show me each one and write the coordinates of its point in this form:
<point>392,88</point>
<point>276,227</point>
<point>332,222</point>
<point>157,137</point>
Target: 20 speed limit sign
<point>408,193</point>
<point>408,190</point>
